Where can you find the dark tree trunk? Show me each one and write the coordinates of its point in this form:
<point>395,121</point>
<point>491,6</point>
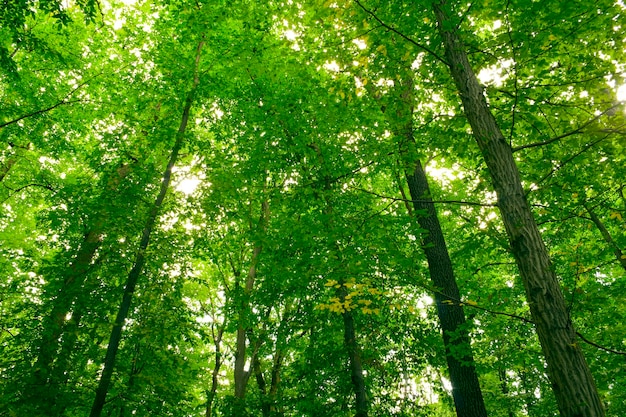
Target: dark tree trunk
<point>45,387</point>
<point>466,392</point>
<point>217,341</point>
<point>240,375</point>
<point>135,272</point>
<point>349,332</point>
<point>356,366</point>
<point>468,399</point>
<point>572,383</point>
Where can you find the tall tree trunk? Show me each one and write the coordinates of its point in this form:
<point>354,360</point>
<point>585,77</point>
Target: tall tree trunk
<point>217,341</point>
<point>349,333</point>
<point>241,376</point>
<point>504,387</point>
<point>354,355</point>
<point>571,379</point>
<point>53,357</point>
<point>135,272</point>
<point>45,388</point>
<point>468,398</point>
<point>466,392</point>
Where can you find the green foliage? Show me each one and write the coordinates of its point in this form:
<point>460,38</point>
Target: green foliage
<point>293,110</point>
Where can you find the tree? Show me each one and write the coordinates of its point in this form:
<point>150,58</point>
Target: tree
<point>293,259</point>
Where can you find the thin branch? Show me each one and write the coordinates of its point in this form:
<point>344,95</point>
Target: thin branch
<point>402,35</point>
<point>35,113</point>
<point>576,131</point>
<point>480,268</point>
<point>584,339</point>
<point>568,160</point>
<point>525,320</point>
<point>404,200</point>
<point>61,102</point>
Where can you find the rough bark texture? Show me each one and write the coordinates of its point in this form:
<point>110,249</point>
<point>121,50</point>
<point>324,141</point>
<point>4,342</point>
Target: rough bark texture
<point>140,259</point>
<point>466,392</point>
<point>572,383</point>
<point>468,399</point>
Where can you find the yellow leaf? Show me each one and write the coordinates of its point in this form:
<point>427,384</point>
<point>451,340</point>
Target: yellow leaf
<point>330,283</point>
<point>471,302</point>
<point>552,37</point>
<point>615,215</point>
<point>575,195</point>
<point>426,20</point>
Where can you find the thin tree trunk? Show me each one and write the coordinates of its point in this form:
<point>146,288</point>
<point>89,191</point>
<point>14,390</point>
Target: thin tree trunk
<point>505,388</point>
<point>349,332</point>
<point>354,355</point>
<point>217,341</point>
<point>45,388</point>
<point>241,376</point>
<point>53,361</point>
<point>468,399</point>
<point>275,381</point>
<point>262,385</point>
<point>571,379</point>
<point>135,272</point>
<point>466,392</point>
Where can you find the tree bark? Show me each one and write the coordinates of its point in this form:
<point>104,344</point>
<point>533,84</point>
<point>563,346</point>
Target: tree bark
<point>466,392</point>
<point>135,272</point>
<point>217,341</point>
<point>468,398</point>
<point>571,379</point>
<point>241,376</point>
<point>356,365</point>
<point>349,332</point>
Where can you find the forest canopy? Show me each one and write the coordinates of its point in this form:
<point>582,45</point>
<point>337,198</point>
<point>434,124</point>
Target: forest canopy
<point>312,208</point>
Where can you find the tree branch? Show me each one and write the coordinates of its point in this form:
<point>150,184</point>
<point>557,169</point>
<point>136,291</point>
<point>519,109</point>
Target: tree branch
<point>584,339</point>
<point>576,131</point>
<point>459,202</point>
<point>402,35</point>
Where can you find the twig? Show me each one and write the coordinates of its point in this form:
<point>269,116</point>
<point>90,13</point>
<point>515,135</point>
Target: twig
<point>571,133</point>
<point>584,339</point>
<point>402,35</point>
<point>459,202</point>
